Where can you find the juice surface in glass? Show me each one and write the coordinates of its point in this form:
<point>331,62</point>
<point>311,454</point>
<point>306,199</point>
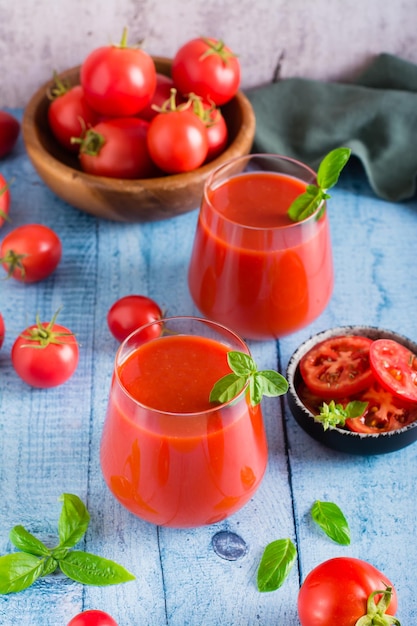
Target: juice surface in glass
<point>167,454</point>
<point>251,266</point>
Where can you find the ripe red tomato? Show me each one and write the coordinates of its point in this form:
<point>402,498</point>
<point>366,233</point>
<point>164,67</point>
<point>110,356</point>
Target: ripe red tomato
<point>31,252</point>
<point>337,367</point>
<point>162,93</point>
<point>118,80</point>
<point>216,127</point>
<point>395,367</point>
<point>2,330</point>
<point>335,593</point>
<point>45,354</point>
<point>384,412</point>
<point>9,132</point>
<point>92,618</point>
<point>117,148</point>
<point>131,312</point>
<point>177,141</point>
<point>208,68</point>
<point>4,200</point>
<point>69,115</point>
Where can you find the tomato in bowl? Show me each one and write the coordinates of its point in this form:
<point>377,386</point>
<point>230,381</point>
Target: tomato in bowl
<point>321,371</point>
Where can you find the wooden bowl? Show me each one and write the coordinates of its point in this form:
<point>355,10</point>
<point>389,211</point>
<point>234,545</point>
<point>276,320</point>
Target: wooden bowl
<point>139,200</point>
<point>338,438</point>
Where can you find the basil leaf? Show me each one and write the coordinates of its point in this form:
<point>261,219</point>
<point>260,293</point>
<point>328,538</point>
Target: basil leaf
<point>25,541</point>
<point>227,388</point>
<point>73,521</point>
<point>274,384</point>
<point>355,408</point>
<point>306,204</point>
<point>331,167</point>
<point>332,521</point>
<point>241,363</point>
<point>276,563</point>
<point>90,569</point>
<point>19,571</point>
<point>255,389</point>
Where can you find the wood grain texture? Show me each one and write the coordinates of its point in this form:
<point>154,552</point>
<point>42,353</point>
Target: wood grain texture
<point>49,439</point>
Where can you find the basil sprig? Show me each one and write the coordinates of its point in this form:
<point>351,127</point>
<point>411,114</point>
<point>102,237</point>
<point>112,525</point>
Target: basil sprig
<point>244,370</point>
<point>19,570</point>
<point>332,521</point>
<point>276,563</point>
<point>328,174</point>
<point>332,414</point>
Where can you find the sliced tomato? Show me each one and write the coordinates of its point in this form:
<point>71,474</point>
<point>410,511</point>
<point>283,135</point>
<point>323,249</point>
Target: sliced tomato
<point>395,367</point>
<point>337,367</point>
<point>385,412</point>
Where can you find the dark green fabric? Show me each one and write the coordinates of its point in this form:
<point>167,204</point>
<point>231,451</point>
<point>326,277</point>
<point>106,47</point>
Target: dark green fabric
<point>376,117</point>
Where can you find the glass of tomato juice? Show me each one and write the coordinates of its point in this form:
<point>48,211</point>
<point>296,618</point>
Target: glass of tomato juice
<point>168,454</point>
<point>251,266</point>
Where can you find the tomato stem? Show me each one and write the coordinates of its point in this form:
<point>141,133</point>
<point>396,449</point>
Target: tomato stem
<point>376,611</point>
<point>218,48</point>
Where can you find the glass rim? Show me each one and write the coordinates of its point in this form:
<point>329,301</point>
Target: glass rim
<point>263,155</point>
<point>163,320</point>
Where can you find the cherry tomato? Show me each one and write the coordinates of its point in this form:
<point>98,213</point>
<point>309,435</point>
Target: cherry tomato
<point>217,134</point>
<point>4,200</point>
<point>92,618</point>
<point>31,252</point>
<point>335,593</point>
<point>9,132</point>
<point>45,354</point>
<point>208,68</point>
<point>117,148</point>
<point>132,312</point>
<point>69,114</point>
<point>337,367</point>
<point>177,141</point>
<point>2,330</point>
<point>395,367</point>
<point>385,412</point>
<point>118,80</point>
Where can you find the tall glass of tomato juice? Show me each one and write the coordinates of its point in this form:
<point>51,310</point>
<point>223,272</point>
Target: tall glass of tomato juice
<point>251,266</point>
<point>168,454</point>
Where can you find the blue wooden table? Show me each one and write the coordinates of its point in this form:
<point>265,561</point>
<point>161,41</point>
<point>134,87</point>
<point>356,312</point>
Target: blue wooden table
<point>49,439</point>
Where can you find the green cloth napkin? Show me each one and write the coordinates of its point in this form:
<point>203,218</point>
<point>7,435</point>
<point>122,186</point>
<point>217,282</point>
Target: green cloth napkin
<point>376,117</point>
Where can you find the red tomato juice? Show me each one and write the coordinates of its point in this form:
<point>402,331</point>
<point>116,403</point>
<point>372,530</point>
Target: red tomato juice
<point>167,454</point>
<point>251,266</point>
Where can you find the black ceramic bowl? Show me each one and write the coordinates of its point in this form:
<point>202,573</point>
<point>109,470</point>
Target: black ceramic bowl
<point>342,439</point>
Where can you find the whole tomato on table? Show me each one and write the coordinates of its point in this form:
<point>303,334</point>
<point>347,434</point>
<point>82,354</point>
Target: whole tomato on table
<point>92,617</point>
<point>208,68</point>
<point>31,252</point>
<point>45,354</point>
<point>118,80</point>
<point>131,312</point>
<point>338,592</point>
<point>9,132</point>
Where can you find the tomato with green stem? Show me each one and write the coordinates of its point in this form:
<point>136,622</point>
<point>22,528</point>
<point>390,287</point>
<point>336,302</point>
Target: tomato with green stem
<point>395,367</point>
<point>31,252</point>
<point>216,127</point>
<point>118,80</point>
<point>45,354</point>
<point>9,132</point>
<point>346,591</point>
<point>4,200</point>
<point>337,367</point>
<point>131,312</point>
<point>92,617</point>
<point>208,68</point>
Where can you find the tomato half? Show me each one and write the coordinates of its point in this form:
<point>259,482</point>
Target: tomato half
<point>69,115</point>
<point>118,80</point>
<point>208,68</point>
<point>395,367</point>
<point>385,412</point>
<point>337,367</point>
<point>9,132</point>
<point>31,252</point>
<point>4,200</point>
<point>131,312</point>
<point>335,593</point>
<point>45,354</point>
<point>92,618</point>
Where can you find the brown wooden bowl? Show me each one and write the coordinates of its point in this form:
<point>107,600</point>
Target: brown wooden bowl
<point>139,200</point>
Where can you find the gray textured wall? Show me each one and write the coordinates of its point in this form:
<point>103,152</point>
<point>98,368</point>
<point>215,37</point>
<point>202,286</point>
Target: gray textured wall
<point>322,39</point>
